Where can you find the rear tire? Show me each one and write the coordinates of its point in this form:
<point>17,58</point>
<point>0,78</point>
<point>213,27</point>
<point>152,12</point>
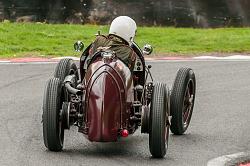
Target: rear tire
<point>53,132</point>
<point>182,100</point>
<point>159,130</point>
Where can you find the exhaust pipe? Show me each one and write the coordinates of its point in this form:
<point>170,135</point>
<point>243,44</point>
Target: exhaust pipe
<point>70,80</point>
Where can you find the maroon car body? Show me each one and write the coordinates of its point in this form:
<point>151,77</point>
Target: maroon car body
<point>108,99</point>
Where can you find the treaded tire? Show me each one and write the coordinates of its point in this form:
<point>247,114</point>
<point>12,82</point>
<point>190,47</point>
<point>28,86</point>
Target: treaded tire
<point>182,100</point>
<point>53,133</point>
<point>159,131</point>
<point>65,67</point>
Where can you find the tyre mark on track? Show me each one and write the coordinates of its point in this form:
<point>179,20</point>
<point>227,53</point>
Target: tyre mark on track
<point>28,139</point>
<point>8,131</point>
<point>20,80</point>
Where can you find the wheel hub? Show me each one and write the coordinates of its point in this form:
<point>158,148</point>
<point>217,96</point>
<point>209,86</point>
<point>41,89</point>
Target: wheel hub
<point>188,104</point>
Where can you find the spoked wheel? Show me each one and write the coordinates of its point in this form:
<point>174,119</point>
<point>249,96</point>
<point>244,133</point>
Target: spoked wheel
<point>182,100</point>
<point>53,132</point>
<point>159,128</point>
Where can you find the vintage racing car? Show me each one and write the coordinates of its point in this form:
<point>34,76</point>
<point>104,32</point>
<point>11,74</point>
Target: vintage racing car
<point>107,101</point>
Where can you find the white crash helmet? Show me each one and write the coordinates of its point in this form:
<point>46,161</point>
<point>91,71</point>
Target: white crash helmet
<point>124,27</point>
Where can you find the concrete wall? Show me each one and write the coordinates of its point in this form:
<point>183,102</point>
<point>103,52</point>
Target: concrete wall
<point>179,13</point>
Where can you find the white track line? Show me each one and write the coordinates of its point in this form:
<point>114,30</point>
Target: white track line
<point>231,159</point>
<point>27,63</point>
<point>199,60</point>
<point>71,57</point>
<point>233,57</point>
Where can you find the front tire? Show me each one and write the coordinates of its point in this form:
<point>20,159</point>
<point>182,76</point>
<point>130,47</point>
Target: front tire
<point>53,132</point>
<point>182,100</point>
<point>159,128</point>
<point>65,67</point>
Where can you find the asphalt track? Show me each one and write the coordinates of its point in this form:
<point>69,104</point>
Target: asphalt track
<point>219,126</point>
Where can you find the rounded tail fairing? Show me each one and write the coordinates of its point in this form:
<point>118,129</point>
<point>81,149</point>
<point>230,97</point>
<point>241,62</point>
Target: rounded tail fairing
<point>106,102</point>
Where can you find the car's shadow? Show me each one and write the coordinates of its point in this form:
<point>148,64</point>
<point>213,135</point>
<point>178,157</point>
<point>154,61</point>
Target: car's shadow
<point>132,146</point>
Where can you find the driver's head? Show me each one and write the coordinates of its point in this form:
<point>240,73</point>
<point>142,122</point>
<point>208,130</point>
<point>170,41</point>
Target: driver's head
<point>124,27</point>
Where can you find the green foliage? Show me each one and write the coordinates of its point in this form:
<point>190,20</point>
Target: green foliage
<point>36,39</point>
<point>188,41</point>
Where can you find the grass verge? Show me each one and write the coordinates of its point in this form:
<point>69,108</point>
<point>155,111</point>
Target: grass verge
<point>47,40</point>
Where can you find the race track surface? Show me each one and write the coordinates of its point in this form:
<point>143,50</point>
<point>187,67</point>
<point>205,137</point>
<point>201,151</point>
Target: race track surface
<point>219,126</point>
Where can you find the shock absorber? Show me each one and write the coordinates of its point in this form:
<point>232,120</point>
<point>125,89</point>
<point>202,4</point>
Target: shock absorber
<point>149,91</point>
